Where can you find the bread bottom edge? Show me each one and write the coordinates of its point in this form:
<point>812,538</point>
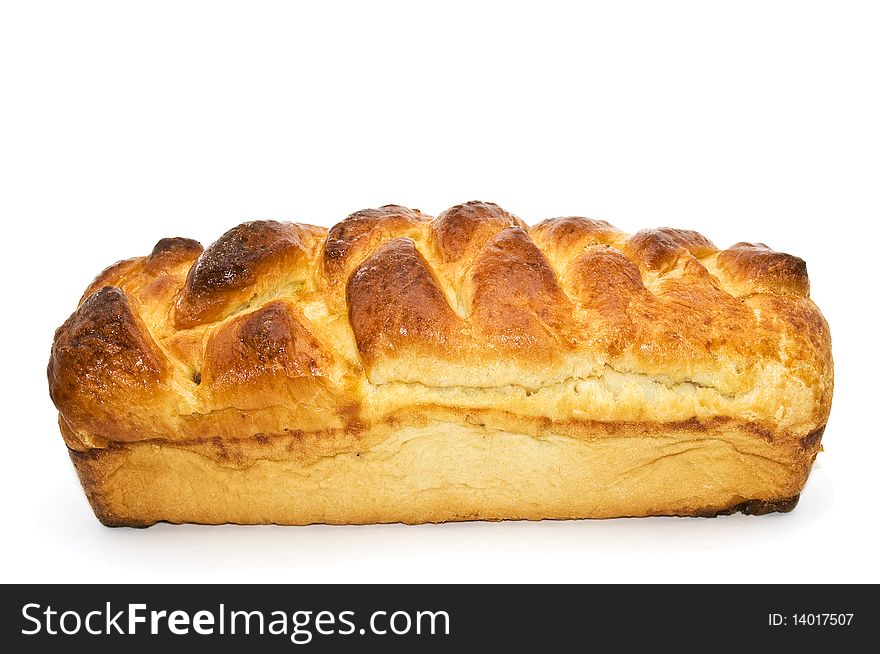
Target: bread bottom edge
<point>749,507</point>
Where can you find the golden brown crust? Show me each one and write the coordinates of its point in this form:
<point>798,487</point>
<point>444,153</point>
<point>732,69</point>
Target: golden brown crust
<point>518,304</point>
<point>170,253</point>
<point>465,228</point>
<point>268,358</point>
<point>102,358</point>
<point>396,305</point>
<point>758,269</point>
<point>351,241</point>
<point>573,233</point>
<point>659,249</point>
<point>335,342</point>
<point>240,265</point>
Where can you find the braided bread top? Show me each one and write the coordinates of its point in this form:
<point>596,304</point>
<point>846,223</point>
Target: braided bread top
<point>390,315</point>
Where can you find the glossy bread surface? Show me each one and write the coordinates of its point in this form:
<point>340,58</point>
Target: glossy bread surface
<point>397,353</point>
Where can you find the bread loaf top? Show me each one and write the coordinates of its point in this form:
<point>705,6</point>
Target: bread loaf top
<point>285,329</point>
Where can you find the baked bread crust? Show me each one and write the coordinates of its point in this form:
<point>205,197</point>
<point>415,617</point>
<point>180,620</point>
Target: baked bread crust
<point>400,367</point>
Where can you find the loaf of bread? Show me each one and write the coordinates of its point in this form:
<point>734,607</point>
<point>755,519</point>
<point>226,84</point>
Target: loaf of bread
<point>404,368</point>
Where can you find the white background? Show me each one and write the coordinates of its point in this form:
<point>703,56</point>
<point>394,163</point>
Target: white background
<point>123,123</point>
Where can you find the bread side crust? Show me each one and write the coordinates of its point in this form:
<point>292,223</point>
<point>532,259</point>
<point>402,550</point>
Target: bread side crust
<point>444,471</point>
